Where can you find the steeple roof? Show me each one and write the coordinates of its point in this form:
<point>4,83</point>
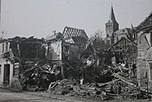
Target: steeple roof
<point>112,15</point>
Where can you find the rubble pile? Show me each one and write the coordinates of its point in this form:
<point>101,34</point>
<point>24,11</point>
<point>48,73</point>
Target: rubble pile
<point>38,75</point>
<point>103,91</point>
<point>100,74</point>
<point>72,69</point>
<point>72,88</point>
<point>120,85</point>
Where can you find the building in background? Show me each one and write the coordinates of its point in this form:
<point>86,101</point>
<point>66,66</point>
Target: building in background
<point>121,43</point>
<point>111,26</point>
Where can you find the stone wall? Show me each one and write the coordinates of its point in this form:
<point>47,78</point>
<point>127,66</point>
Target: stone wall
<point>143,66</point>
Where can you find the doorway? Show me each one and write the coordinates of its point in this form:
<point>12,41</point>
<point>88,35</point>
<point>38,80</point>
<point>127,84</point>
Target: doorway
<point>6,74</point>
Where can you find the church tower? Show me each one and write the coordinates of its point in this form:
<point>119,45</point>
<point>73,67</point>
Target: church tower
<point>111,26</point>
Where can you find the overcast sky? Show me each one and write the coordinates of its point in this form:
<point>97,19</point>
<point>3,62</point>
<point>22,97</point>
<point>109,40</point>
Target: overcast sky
<point>40,17</point>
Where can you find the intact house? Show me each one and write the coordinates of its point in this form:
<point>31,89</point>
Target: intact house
<point>12,51</point>
<point>144,59</point>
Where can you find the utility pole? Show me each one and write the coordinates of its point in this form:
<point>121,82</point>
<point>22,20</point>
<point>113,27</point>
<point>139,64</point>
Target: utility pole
<point>1,33</point>
<point>0,11</point>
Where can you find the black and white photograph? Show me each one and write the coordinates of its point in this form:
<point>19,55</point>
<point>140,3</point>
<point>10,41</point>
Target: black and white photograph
<point>75,50</point>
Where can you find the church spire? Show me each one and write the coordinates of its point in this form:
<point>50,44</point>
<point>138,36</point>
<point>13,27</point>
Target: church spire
<point>112,15</point>
<point>111,26</point>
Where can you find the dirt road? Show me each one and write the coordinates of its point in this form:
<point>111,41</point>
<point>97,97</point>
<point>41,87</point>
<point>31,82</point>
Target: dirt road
<point>13,96</point>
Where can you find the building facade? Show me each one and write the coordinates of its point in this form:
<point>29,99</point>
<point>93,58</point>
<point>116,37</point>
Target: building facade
<point>144,59</point>
<point>6,67</point>
<point>12,51</point>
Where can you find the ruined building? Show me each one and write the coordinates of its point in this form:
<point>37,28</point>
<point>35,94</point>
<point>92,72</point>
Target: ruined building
<point>66,46</point>
<point>64,49</point>
<point>124,48</point>
<point>127,33</point>
<point>12,51</point>
<point>74,42</point>
<point>144,59</point>
<point>124,51</point>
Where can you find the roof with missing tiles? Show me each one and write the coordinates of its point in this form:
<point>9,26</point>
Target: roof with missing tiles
<point>78,35</point>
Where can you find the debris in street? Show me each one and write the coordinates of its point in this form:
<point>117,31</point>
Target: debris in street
<point>39,74</point>
<point>120,86</point>
<point>72,88</point>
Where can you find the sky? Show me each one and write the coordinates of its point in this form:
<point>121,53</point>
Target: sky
<point>40,18</point>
